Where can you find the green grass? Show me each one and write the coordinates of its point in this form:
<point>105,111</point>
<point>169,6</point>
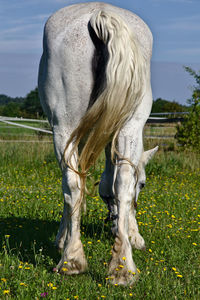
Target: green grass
<point>160,129</point>
<point>12,132</point>
<point>30,211</point>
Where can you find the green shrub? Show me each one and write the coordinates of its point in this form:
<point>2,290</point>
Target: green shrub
<point>188,133</point>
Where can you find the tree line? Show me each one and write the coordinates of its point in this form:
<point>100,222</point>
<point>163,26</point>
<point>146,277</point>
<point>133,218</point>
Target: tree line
<point>30,107</point>
<point>27,107</point>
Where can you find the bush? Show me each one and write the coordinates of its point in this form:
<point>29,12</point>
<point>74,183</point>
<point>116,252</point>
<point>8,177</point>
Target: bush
<point>188,133</point>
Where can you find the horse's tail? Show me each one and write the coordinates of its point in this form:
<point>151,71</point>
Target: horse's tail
<point>123,91</point>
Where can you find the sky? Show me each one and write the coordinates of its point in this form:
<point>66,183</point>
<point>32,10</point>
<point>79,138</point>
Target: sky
<point>175,25</point>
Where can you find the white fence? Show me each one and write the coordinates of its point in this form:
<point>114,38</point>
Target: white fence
<point>8,121</point>
<point>152,120</point>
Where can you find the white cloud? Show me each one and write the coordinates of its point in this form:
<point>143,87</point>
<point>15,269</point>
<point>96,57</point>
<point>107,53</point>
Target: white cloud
<point>175,1</point>
<point>190,23</point>
<point>25,44</point>
<point>185,51</point>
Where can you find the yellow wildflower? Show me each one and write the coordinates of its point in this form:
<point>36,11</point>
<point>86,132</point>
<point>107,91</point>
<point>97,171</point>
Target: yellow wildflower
<point>50,284</point>
<point>124,258</point>
<point>64,269</point>
<point>6,292</point>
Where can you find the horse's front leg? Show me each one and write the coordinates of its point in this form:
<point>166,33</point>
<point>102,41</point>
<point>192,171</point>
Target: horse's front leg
<point>106,192</point>
<point>135,238</point>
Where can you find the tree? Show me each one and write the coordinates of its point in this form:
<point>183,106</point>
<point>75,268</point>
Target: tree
<point>31,107</point>
<point>188,133</point>
<point>12,109</point>
<point>4,99</point>
<point>161,105</point>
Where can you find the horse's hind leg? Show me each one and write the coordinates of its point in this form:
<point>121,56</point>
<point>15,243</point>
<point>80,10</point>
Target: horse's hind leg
<point>122,268</point>
<point>73,259</point>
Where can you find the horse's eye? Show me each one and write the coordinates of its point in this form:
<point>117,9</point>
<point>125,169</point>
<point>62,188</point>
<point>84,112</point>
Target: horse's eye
<point>141,185</point>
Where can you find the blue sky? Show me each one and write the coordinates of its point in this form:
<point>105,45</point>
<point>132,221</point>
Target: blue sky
<point>175,25</point>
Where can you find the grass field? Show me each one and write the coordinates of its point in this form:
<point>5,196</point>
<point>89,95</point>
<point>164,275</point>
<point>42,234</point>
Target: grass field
<point>11,132</point>
<point>30,211</point>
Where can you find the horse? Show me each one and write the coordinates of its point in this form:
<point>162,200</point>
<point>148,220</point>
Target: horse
<point>94,86</point>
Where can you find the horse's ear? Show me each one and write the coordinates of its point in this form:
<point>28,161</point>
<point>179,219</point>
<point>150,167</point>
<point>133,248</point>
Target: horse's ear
<point>147,155</point>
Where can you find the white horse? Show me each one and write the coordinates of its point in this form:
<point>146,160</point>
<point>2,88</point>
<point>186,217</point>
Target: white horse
<point>94,85</point>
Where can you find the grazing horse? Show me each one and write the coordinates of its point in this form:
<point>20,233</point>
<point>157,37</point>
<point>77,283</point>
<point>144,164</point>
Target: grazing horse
<point>94,85</point>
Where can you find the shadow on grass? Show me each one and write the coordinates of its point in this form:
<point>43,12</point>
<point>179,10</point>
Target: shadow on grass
<point>29,237</point>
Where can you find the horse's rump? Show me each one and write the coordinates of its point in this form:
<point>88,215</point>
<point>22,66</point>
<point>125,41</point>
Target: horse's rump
<point>118,89</point>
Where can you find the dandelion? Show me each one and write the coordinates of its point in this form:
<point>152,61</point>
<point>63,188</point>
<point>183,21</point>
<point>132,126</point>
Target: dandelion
<point>194,244</point>
<point>6,292</point>
<point>174,269</point>
<point>50,284</point>
<point>22,284</point>
<point>3,279</point>
<point>130,294</point>
<point>7,236</point>
<point>64,269</point>
<point>179,275</point>
<point>150,250</point>
<point>54,288</point>
<point>124,258</point>
<point>89,243</point>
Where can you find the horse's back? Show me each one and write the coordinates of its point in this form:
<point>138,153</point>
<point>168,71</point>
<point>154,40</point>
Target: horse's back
<point>66,75</point>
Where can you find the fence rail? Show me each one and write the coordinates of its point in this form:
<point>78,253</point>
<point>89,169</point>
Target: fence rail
<point>151,120</point>
<point>22,119</point>
<point>170,113</point>
<point>26,126</point>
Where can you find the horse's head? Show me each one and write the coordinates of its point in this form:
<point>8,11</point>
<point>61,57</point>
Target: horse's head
<point>141,180</point>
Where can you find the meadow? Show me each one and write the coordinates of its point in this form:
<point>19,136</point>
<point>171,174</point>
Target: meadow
<point>30,210</point>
